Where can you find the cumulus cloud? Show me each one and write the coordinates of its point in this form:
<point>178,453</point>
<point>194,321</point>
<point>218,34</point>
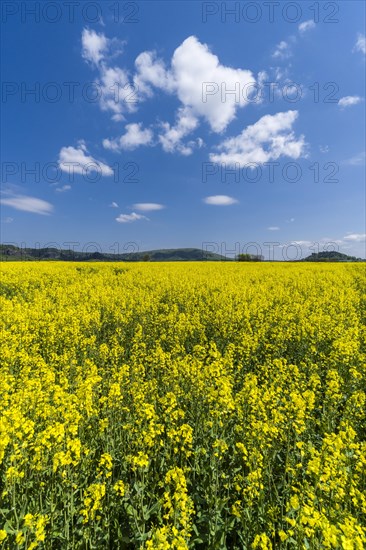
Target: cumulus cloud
<point>349,100</point>
<point>220,200</point>
<point>116,93</point>
<point>27,204</point>
<point>129,218</point>
<point>172,136</point>
<point>203,84</point>
<point>134,137</point>
<point>148,206</point>
<point>76,160</point>
<point>360,45</point>
<point>205,88</point>
<point>152,72</point>
<point>270,138</point>
<point>306,26</point>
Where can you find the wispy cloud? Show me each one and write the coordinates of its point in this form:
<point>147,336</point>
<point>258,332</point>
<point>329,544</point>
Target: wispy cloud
<point>349,100</point>
<point>306,26</point>
<point>324,148</point>
<point>113,205</point>
<point>63,189</point>
<point>220,200</point>
<point>129,218</point>
<point>356,160</point>
<point>27,204</point>
<point>148,206</point>
<point>282,50</point>
<point>273,228</point>
<point>360,45</point>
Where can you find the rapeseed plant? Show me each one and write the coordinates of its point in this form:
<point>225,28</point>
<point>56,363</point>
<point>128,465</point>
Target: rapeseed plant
<point>205,405</point>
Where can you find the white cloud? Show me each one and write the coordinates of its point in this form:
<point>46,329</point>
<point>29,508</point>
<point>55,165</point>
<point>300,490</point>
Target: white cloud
<point>356,160</point>
<point>199,80</point>
<point>171,139</point>
<point>282,50</point>
<point>279,84</point>
<point>205,88</point>
<point>291,220</point>
<point>148,206</point>
<point>349,100</point>
<point>129,218</point>
<point>220,200</point>
<point>324,148</point>
<point>306,244</point>
<point>279,73</point>
<point>273,228</point>
<point>203,84</point>
<point>63,189</point>
<point>329,241</point>
<point>306,26</point>
<point>28,204</point>
<point>151,71</point>
<point>94,46</point>
<point>113,205</point>
<point>8,219</point>
<point>134,137</point>
<point>116,93</point>
<point>76,161</point>
<point>270,138</point>
<point>360,45</point>
<point>355,237</point>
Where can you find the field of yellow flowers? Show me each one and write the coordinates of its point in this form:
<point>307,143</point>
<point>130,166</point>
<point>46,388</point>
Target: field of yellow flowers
<point>192,405</point>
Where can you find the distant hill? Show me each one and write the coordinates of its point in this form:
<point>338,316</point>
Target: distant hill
<point>9,252</point>
<point>14,253</point>
<point>332,256</point>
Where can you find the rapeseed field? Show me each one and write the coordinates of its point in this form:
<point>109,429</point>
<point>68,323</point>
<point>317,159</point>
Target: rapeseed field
<point>190,405</point>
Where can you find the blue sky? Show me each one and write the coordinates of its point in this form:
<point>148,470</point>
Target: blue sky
<point>177,124</point>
